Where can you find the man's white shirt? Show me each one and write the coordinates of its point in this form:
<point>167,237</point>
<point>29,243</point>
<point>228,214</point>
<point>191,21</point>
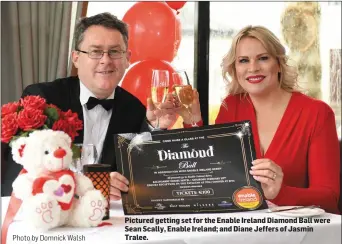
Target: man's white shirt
<point>95,121</point>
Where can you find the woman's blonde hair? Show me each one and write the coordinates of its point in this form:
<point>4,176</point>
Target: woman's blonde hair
<point>287,76</point>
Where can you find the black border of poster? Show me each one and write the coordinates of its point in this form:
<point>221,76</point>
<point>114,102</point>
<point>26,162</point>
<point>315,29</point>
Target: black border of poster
<point>194,170</point>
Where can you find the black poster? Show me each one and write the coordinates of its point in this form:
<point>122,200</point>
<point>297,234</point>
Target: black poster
<point>201,169</point>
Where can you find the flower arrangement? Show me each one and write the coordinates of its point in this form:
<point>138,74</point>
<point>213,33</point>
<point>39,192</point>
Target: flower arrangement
<point>33,113</point>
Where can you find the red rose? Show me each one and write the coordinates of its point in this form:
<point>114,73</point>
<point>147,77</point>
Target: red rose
<point>72,119</point>
<point>9,108</point>
<point>30,118</point>
<point>63,125</point>
<point>77,124</point>
<point>35,102</point>
<point>9,127</point>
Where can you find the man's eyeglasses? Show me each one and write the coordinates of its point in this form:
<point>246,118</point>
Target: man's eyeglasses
<point>98,54</point>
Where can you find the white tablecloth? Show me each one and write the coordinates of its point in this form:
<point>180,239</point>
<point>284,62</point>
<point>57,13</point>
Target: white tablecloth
<point>326,233</point>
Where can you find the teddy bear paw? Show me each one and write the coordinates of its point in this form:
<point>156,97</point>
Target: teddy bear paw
<point>94,205</point>
<point>97,210</point>
<point>44,212</point>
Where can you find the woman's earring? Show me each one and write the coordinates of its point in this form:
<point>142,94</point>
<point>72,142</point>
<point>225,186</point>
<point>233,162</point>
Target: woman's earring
<point>279,76</point>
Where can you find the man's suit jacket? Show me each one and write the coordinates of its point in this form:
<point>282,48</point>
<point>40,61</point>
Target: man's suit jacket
<point>128,116</point>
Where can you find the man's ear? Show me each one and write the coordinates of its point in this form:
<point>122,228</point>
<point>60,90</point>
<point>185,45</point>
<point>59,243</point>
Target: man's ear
<point>128,57</point>
<point>74,57</point>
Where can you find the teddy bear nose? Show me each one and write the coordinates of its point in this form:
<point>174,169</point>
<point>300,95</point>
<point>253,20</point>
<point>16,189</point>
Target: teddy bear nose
<point>59,153</point>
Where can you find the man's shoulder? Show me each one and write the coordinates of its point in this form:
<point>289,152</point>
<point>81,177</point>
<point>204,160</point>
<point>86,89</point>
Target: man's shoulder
<point>60,83</point>
<point>129,98</point>
<point>57,92</point>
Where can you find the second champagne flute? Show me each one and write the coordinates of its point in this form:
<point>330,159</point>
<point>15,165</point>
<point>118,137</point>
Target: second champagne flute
<point>159,88</point>
<point>184,92</point>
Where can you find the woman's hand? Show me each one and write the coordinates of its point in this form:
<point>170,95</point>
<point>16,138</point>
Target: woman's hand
<point>191,115</point>
<point>269,174</point>
<point>118,183</point>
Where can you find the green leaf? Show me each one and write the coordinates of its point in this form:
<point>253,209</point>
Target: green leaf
<point>51,113</point>
<point>48,123</point>
<point>19,109</point>
<point>26,133</point>
<point>76,151</point>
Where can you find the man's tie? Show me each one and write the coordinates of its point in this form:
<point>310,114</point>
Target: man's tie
<point>106,103</point>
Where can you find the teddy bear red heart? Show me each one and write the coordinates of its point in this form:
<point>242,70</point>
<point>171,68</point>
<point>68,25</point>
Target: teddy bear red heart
<point>60,184</point>
<point>66,188</point>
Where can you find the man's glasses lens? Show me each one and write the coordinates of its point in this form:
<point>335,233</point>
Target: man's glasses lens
<point>111,53</point>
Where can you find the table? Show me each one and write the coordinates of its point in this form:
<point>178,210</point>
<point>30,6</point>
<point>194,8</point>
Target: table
<point>322,233</point>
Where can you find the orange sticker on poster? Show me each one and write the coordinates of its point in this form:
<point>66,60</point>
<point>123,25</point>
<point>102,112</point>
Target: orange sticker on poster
<point>247,197</point>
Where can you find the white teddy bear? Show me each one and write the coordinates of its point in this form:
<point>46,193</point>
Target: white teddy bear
<point>52,194</point>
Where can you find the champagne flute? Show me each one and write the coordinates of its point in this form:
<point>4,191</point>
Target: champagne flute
<point>159,88</point>
<point>184,91</point>
<point>88,156</point>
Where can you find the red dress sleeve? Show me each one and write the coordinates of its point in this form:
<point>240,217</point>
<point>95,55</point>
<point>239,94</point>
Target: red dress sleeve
<point>323,167</point>
<point>227,110</point>
<point>199,124</point>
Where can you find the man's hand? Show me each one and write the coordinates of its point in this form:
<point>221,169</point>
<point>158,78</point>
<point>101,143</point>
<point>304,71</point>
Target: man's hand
<point>118,183</point>
<point>166,113</point>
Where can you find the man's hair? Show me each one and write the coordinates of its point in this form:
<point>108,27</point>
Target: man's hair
<point>106,20</point>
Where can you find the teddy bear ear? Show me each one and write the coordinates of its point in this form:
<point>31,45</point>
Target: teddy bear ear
<point>18,147</point>
<point>65,137</point>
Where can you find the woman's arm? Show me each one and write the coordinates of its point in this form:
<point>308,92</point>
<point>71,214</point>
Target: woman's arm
<point>323,168</point>
<point>223,115</point>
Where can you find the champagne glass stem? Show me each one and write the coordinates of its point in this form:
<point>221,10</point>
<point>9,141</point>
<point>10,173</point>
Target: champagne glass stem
<point>157,126</point>
<point>192,117</point>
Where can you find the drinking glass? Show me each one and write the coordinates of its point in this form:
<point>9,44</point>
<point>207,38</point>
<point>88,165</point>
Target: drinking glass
<point>159,88</point>
<point>88,156</point>
<point>184,91</point>
<point>99,174</point>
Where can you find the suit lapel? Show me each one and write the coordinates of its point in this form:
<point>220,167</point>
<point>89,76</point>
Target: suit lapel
<point>75,105</point>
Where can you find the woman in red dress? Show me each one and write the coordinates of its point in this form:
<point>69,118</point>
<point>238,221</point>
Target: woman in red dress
<point>297,148</point>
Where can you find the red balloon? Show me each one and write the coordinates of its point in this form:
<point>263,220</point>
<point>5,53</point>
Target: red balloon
<point>176,5</point>
<point>139,77</point>
<point>152,31</point>
<point>178,37</point>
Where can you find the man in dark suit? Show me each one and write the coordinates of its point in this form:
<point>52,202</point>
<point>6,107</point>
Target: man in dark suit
<point>101,57</point>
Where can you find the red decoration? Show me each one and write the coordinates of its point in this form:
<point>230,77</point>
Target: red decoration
<point>176,5</point>
<point>178,38</point>
<point>153,31</point>
<point>104,224</point>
